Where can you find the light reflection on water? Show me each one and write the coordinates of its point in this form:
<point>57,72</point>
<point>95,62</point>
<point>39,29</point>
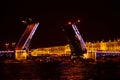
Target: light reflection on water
<point>69,70</point>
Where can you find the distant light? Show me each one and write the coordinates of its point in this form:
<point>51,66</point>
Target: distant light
<point>78,20</point>
<point>69,22</point>
<point>30,19</point>
<point>23,21</point>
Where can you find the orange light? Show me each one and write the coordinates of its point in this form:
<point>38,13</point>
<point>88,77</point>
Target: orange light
<point>78,20</point>
<point>69,22</point>
<point>23,21</point>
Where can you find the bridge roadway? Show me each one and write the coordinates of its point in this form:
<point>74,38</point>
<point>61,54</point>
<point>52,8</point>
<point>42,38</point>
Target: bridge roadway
<point>7,54</point>
<point>99,54</point>
<point>105,53</point>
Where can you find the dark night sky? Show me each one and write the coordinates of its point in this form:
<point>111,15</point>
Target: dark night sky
<point>99,20</point>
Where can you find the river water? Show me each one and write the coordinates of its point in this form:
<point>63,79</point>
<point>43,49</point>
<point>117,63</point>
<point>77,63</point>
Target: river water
<point>59,70</point>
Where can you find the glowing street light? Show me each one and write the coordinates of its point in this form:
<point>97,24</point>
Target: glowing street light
<point>78,21</point>
<point>23,21</point>
<point>69,22</point>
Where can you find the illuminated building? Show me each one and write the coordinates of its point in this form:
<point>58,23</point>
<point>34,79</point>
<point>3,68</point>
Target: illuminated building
<point>55,50</point>
<point>65,49</point>
<point>104,46</point>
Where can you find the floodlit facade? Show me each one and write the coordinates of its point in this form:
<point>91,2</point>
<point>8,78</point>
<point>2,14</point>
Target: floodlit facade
<point>65,49</point>
<point>104,46</point>
<point>55,50</point>
<point>20,55</point>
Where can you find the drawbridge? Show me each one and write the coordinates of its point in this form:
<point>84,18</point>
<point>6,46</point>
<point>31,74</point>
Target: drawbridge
<point>77,44</point>
<point>22,47</point>
<point>73,35</point>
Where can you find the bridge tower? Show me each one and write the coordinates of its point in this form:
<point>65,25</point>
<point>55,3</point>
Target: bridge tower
<point>22,47</point>
<point>77,44</point>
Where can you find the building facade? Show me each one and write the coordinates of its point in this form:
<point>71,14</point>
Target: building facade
<point>65,49</point>
<point>104,46</point>
<point>54,50</point>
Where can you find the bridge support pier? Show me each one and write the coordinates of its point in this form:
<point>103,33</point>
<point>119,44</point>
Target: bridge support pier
<point>20,54</point>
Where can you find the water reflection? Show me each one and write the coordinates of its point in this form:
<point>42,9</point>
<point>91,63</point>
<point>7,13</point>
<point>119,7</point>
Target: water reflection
<point>59,70</point>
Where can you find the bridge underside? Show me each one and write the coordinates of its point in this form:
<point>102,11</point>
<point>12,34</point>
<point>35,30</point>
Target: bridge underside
<point>77,45</point>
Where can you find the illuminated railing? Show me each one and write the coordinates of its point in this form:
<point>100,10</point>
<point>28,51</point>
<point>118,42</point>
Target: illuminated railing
<point>6,54</point>
<point>6,51</point>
